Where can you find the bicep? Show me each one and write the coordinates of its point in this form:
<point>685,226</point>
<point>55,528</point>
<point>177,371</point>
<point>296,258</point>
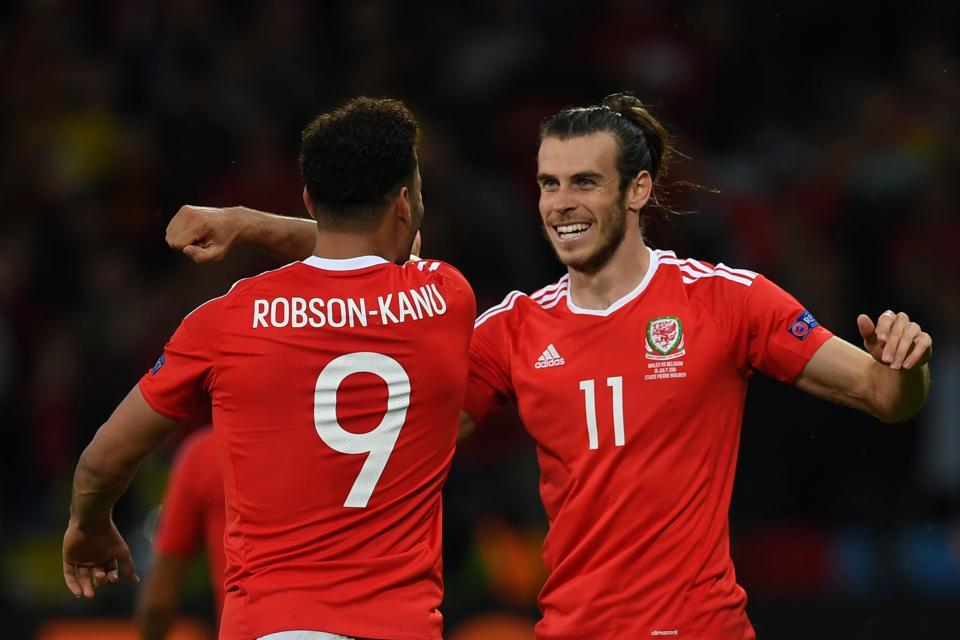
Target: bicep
<point>840,372</point>
<point>129,434</point>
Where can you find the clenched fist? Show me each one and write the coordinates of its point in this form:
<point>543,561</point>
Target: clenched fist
<point>205,234</point>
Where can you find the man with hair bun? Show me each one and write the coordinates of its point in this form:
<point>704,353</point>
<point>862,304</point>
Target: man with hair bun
<point>335,414</point>
<point>630,373</point>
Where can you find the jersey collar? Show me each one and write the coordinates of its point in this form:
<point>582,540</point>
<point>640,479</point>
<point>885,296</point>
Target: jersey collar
<point>651,270</point>
<point>344,264</point>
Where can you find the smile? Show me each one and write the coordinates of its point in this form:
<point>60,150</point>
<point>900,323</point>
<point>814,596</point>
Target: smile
<point>571,231</point>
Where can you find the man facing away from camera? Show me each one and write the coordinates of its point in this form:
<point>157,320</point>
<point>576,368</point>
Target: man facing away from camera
<point>631,372</point>
<point>335,386</point>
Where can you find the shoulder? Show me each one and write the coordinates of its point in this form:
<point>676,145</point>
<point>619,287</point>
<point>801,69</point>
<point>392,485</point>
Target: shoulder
<point>269,277</point>
<point>445,283</point>
<point>517,305</point>
<point>213,309</point>
<point>696,273</point>
<point>437,270</point>
<point>716,285</point>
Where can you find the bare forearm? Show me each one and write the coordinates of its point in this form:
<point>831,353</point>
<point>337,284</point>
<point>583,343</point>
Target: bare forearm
<point>285,238</point>
<point>112,457</point>
<point>97,485</point>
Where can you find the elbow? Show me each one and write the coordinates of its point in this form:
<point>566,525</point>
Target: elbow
<point>898,414</point>
<point>897,396</point>
<point>901,409</point>
<point>96,466</point>
<point>890,417</point>
<point>98,469</point>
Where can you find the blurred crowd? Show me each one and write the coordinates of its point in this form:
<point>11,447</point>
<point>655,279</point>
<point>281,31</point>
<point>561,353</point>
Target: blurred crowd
<point>823,142</point>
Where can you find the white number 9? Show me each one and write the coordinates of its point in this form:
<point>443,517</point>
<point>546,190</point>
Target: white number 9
<point>379,442</point>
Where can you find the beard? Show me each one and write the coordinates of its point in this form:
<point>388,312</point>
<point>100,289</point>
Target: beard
<point>611,236</point>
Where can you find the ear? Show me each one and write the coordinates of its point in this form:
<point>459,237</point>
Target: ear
<point>308,203</point>
<point>639,191</point>
<point>401,207</point>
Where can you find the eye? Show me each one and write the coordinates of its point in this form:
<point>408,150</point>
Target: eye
<point>548,184</point>
<point>585,183</point>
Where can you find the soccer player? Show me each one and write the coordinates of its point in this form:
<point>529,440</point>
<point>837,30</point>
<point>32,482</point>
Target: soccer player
<point>630,373</point>
<point>192,517</point>
<point>335,386</point>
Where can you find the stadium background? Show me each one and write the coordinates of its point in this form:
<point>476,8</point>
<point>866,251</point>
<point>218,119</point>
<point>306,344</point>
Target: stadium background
<point>829,130</point>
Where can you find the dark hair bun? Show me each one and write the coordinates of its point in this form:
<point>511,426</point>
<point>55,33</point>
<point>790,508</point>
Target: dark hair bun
<point>622,103</point>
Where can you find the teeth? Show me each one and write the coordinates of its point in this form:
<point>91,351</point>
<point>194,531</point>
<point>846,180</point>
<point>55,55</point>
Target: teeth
<point>576,227</point>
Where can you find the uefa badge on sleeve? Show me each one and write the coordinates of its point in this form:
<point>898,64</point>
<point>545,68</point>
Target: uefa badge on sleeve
<point>803,325</point>
<point>156,367</point>
<point>665,338</point>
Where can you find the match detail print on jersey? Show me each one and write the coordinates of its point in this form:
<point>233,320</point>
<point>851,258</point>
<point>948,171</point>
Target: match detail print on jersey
<point>665,345</point>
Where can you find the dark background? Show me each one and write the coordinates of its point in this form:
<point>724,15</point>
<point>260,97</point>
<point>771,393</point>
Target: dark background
<point>825,134</point>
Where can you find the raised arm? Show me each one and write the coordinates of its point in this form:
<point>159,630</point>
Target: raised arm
<point>889,379</point>
<point>94,552</point>
<point>206,234</point>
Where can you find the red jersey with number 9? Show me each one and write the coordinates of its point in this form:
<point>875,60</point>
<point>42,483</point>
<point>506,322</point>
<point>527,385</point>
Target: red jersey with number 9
<point>636,412</point>
<point>336,388</point>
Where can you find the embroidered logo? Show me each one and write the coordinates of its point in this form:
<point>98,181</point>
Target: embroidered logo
<point>803,325</point>
<point>549,358</point>
<point>665,338</point>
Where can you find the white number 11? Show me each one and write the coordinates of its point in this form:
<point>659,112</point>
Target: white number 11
<point>590,404</point>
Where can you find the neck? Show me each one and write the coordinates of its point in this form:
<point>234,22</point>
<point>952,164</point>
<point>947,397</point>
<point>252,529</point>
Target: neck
<point>340,245</point>
<point>619,276</point>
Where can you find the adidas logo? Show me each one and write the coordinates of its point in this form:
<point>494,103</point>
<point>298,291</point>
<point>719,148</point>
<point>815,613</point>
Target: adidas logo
<point>549,358</point>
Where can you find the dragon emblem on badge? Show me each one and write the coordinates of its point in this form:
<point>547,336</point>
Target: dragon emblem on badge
<point>665,338</point>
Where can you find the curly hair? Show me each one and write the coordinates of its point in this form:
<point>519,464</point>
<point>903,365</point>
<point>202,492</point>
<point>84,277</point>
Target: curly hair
<point>354,158</point>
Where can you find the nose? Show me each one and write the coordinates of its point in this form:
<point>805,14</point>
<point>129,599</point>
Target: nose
<point>562,201</point>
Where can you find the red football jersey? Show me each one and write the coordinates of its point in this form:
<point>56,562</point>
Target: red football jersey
<point>193,514</point>
<point>636,412</point>
<point>336,388</point>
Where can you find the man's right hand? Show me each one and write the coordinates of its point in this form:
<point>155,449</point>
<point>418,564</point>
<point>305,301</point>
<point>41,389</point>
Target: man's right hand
<point>205,234</point>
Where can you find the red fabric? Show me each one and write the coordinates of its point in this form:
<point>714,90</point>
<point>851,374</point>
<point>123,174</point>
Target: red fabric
<point>297,556</point>
<point>193,509</point>
<point>638,540</point>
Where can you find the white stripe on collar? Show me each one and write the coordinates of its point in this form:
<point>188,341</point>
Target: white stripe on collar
<point>344,264</point>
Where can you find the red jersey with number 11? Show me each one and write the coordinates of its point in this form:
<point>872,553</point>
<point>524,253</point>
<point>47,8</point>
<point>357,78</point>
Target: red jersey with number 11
<point>636,412</point>
<point>336,388</point>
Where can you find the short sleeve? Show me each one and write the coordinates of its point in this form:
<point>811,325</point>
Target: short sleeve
<point>180,530</point>
<point>488,385</point>
<point>178,385</point>
<point>779,336</point>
